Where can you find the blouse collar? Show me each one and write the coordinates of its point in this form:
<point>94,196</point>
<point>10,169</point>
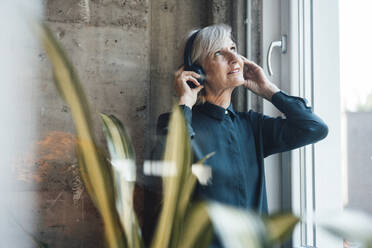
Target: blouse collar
<point>216,111</point>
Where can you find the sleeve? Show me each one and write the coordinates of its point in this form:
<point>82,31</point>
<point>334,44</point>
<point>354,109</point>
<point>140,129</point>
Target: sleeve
<point>300,127</point>
<point>162,131</point>
<point>162,125</point>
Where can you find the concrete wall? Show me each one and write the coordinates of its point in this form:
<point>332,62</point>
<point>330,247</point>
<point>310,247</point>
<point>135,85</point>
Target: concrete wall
<point>171,20</point>
<point>125,52</point>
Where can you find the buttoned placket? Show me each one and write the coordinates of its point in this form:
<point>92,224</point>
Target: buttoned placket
<point>235,151</point>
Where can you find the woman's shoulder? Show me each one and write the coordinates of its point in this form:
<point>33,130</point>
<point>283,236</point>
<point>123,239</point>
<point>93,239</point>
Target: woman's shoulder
<point>164,118</point>
<point>251,115</point>
<point>253,119</point>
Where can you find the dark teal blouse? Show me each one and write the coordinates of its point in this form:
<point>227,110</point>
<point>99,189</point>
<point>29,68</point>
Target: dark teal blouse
<point>241,141</point>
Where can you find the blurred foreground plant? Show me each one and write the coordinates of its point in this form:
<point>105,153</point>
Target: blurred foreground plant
<point>94,168</point>
<point>182,223</point>
<point>124,171</point>
<point>349,224</point>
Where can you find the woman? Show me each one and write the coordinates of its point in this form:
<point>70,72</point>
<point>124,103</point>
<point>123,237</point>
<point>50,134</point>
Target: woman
<point>240,140</point>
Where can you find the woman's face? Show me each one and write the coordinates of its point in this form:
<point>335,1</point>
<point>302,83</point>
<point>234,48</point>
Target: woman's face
<point>224,68</point>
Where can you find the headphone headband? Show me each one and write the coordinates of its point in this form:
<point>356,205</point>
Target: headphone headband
<point>187,61</point>
<point>188,50</point>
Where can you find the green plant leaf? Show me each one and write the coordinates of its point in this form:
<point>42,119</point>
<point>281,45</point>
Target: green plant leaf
<point>124,171</point>
<point>118,140</point>
<point>237,228</point>
<point>189,186</point>
<point>202,161</point>
<point>280,226</point>
<point>96,172</point>
<point>178,154</point>
<point>84,175</point>
<point>198,230</point>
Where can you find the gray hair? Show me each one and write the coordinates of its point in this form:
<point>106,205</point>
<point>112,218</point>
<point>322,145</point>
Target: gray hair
<point>209,40</point>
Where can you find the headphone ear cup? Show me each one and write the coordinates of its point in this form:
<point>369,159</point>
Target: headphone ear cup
<point>200,71</point>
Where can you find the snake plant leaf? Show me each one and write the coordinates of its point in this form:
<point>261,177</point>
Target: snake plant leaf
<point>280,226</point>
<point>96,169</point>
<point>86,179</point>
<point>118,140</point>
<point>124,170</point>
<point>186,193</point>
<point>178,153</point>
<point>198,230</point>
<point>202,161</point>
<point>188,187</point>
<point>350,224</point>
<point>237,228</point>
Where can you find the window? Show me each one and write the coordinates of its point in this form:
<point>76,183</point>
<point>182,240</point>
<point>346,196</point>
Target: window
<point>310,69</point>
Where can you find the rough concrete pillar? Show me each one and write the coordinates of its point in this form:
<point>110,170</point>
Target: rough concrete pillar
<point>171,20</point>
<point>220,11</point>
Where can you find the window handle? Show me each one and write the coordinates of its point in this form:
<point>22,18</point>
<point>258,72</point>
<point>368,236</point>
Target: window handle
<point>277,43</point>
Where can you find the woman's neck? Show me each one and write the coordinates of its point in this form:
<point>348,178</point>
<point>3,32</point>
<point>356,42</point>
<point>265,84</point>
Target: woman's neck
<point>221,98</point>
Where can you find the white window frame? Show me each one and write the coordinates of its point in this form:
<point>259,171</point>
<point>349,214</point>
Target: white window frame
<point>313,73</point>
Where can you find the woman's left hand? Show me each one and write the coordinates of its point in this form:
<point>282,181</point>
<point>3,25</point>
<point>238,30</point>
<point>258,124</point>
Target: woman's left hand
<point>256,80</point>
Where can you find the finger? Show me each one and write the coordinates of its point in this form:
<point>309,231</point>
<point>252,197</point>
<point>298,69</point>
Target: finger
<point>191,73</point>
<point>192,79</point>
<point>247,61</point>
<point>252,63</point>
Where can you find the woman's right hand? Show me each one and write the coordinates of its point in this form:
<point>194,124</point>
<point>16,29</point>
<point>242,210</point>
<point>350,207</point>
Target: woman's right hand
<point>186,95</point>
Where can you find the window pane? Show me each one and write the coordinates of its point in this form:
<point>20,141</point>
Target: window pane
<point>356,90</point>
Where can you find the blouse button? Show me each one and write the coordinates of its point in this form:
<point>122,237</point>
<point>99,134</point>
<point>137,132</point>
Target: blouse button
<point>226,112</point>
